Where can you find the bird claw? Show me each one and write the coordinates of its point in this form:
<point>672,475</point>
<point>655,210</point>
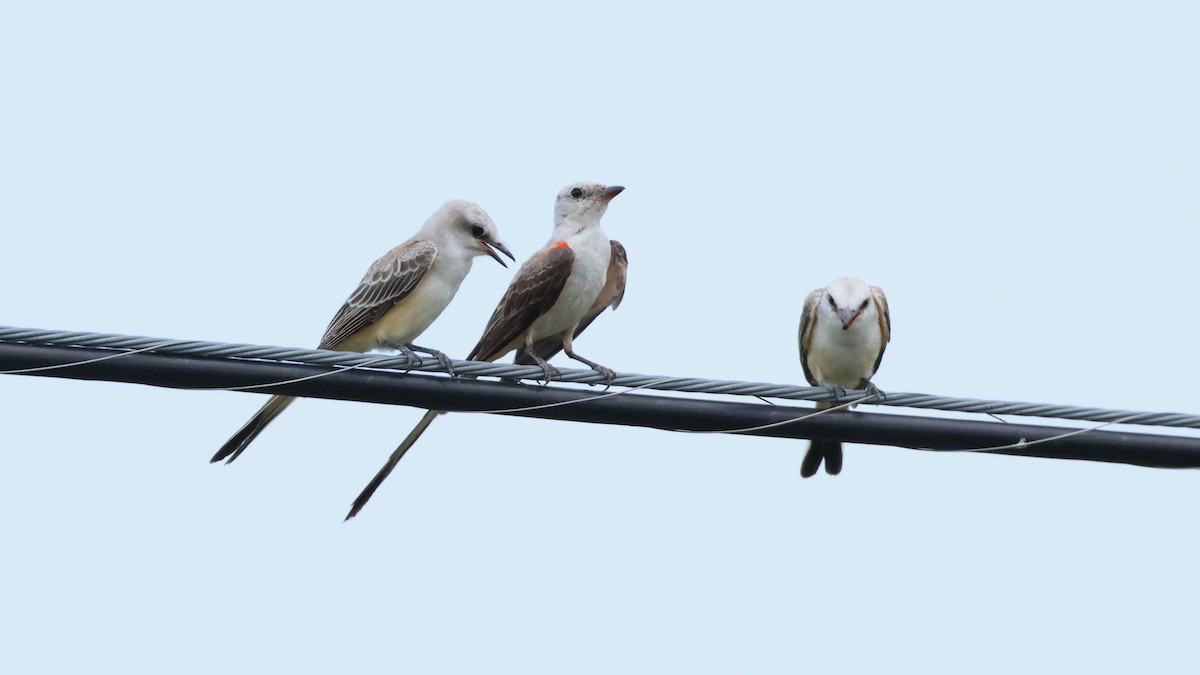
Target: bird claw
<point>873,393</point>
<point>414,361</point>
<point>607,373</point>
<point>838,391</point>
<point>442,359</point>
<point>549,372</point>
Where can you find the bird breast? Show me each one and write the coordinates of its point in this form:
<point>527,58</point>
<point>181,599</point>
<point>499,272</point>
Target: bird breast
<point>844,357</point>
<point>592,252</point>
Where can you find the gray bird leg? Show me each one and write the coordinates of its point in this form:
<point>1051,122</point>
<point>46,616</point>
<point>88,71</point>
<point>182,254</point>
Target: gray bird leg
<point>442,359</point>
<point>873,393</point>
<point>414,361</point>
<point>549,372</point>
<point>838,391</point>
<point>605,372</point>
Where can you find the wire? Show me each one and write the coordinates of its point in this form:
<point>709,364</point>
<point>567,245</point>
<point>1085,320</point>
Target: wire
<point>135,344</point>
<point>384,379</point>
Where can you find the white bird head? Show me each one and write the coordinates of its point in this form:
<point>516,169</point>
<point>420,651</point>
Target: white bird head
<point>848,299</point>
<point>584,203</point>
<point>467,227</point>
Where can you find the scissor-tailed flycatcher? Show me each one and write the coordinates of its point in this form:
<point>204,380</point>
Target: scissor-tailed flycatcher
<point>843,331</point>
<point>547,299</point>
<point>399,297</point>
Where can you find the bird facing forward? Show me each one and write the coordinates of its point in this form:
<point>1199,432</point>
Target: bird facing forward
<point>844,329</point>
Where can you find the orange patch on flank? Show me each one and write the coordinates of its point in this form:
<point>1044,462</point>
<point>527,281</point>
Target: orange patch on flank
<point>561,244</point>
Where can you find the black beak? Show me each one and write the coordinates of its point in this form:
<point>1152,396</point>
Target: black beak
<point>492,246</point>
<point>611,191</point>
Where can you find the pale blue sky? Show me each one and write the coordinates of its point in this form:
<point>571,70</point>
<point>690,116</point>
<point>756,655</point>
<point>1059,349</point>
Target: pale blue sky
<point>1020,177</point>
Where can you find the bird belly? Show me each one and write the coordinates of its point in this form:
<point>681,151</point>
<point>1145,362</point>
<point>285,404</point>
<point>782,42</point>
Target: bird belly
<point>580,291</point>
<point>576,298</point>
<point>844,357</point>
<point>410,317</point>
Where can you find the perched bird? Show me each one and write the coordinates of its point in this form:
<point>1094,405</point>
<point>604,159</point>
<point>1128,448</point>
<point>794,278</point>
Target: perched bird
<point>548,298</point>
<point>398,298</point>
<point>844,329</point>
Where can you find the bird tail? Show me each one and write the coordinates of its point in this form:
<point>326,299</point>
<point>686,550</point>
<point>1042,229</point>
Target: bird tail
<point>249,431</point>
<point>397,454</point>
<point>830,451</point>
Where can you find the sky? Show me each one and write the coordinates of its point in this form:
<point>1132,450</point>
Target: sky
<point>1019,177</point>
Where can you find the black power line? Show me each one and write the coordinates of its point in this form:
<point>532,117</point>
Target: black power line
<point>631,409</point>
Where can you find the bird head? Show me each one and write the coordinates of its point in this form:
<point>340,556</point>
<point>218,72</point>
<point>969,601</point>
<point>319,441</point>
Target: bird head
<point>469,227</point>
<point>584,202</point>
<point>849,299</point>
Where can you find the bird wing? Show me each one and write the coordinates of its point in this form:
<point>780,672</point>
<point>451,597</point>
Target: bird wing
<point>531,294</point>
<point>885,323</point>
<point>808,321</point>
<point>610,296</point>
<point>618,273</point>
<point>389,280</point>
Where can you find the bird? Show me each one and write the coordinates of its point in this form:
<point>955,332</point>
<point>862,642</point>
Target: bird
<point>844,329</point>
<point>548,299</point>
<point>401,294</point>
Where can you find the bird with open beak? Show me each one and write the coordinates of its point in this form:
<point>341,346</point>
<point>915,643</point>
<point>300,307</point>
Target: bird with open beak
<point>401,294</point>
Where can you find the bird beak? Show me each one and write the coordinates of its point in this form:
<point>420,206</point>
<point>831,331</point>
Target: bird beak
<point>848,316</point>
<point>490,248</point>
<point>611,191</point>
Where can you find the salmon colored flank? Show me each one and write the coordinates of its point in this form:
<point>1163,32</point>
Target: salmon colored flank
<point>561,244</point>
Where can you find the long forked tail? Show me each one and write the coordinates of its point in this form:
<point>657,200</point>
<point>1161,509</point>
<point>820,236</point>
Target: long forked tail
<point>397,454</point>
<point>249,431</point>
<point>830,451</point>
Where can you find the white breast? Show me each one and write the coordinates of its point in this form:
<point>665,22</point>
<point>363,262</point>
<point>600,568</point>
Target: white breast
<point>592,251</point>
<point>844,357</point>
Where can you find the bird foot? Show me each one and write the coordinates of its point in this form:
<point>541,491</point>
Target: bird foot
<point>442,359</point>
<point>838,391</point>
<point>607,374</point>
<point>549,372</point>
<point>873,393</point>
<point>414,361</point>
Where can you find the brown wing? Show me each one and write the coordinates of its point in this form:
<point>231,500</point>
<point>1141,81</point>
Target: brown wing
<point>808,321</point>
<point>386,283</point>
<point>531,294</point>
<point>610,296</point>
<point>885,323</point>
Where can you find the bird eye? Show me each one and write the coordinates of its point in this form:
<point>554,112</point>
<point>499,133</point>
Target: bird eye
<point>477,232</point>
<point>831,301</point>
<point>577,193</point>
<point>864,304</point>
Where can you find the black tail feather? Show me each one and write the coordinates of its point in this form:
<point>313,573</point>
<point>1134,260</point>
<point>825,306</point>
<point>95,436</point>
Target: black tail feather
<point>830,451</point>
<point>244,436</point>
<point>393,460</point>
